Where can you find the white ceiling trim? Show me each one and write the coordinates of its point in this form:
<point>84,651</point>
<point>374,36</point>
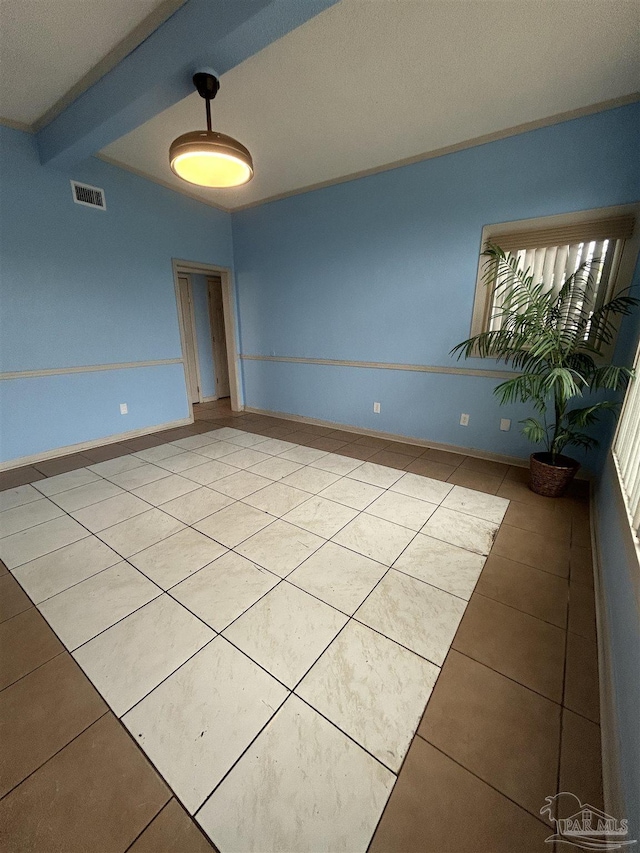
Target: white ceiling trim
<point>558,118</point>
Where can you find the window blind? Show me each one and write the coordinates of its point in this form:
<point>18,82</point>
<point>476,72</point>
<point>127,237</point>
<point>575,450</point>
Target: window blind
<point>614,228</point>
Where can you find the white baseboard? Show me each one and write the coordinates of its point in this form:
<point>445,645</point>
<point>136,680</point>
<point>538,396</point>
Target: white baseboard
<point>419,442</point>
<point>613,797</point>
<point>516,461</point>
<point>209,400</point>
<point>87,445</point>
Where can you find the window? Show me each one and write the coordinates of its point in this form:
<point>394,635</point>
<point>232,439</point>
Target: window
<point>626,449</point>
<point>552,249</point>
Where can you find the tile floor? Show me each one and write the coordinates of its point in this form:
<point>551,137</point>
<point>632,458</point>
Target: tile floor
<point>263,609</point>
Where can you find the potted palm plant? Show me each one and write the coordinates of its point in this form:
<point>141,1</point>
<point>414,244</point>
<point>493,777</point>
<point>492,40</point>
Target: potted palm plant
<point>553,338</point>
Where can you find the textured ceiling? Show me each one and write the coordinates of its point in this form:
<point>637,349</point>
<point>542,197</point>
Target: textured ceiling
<point>365,84</point>
<point>370,82</point>
<point>48,46</point>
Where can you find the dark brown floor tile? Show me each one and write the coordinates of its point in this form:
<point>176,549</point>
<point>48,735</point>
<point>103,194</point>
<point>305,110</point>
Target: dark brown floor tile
<point>42,713</point>
<point>475,480</point>
<point>3,569</point>
<point>328,443</point>
<point>277,432</point>
<point>537,593</point>
<point>532,549</point>
<point>391,460</point>
<point>301,437</point>
<point>142,442</point>
<point>13,599</point>
<point>519,646</point>
<point>175,434</point>
<point>435,470</point>
<point>106,452</point>
<point>582,611</point>
<point>26,642</point>
<point>517,490</point>
<point>580,761</point>
<point>19,477</point>
<point>503,732</point>
<point>373,441</point>
<point>486,466</point>
<point>581,688</point>
<point>580,532</point>
<point>356,451</point>
<point>439,807</point>
<point>407,449</point>
<point>255,429</point>
<point>539,519</point>
<point>518,473</point>
<point>344,434</point>
<point>315,429</point>
<point>444,457</point>
<point>52,467</point>
<point>579,489</point>
<point>98,793</point>
<point>581,566</point>
<point>172,831</point>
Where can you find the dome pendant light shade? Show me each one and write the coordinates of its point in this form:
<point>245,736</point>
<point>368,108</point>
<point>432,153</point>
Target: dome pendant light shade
<point>207,158</point>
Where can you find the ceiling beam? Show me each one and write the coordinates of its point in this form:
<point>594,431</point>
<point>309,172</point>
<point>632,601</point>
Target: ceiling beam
<point>157,74</point>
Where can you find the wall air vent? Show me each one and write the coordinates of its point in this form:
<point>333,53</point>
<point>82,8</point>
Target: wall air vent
<point>88,195</point>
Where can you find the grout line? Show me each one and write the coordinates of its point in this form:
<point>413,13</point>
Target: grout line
<point>58,751</point>
<point>350,617</point>
<point>490,785</point>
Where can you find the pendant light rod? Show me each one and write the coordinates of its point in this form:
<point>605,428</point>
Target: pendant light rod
<point>207,158</point>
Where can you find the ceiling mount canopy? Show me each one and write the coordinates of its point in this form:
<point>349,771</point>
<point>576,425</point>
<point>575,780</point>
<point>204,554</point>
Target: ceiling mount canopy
<point>207,158</point>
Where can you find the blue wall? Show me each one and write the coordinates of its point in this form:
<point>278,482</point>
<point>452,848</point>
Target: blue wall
<point>81,287</point>
<point>204,344</point>
<point>383,269</point>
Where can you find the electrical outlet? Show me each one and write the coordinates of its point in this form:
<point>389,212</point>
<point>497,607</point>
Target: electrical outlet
<point>505,424</point>
<point>464,420</point>
<point>376,408</point>
<point>124,409</point>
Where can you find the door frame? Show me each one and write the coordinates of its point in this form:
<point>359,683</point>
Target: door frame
<point>194,334</point>
<point>229,308</point>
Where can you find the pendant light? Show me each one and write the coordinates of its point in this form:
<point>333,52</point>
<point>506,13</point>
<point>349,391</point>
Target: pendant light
<point>207,158</point>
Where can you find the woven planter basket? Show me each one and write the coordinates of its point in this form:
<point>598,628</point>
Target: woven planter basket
<point>549,480</point>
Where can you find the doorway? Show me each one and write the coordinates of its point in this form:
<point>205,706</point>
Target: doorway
<point>190,353</point>
<point>207,320</point>
<point>218,336</point>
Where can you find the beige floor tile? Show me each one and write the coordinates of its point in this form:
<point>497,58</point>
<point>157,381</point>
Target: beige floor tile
<point>280,547</point>
<point>338,576</point>
<point>372,689</point>
<point>224,589</point>
<point>416,615</point>
<point>334,791</point>
<point>286,632</point>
